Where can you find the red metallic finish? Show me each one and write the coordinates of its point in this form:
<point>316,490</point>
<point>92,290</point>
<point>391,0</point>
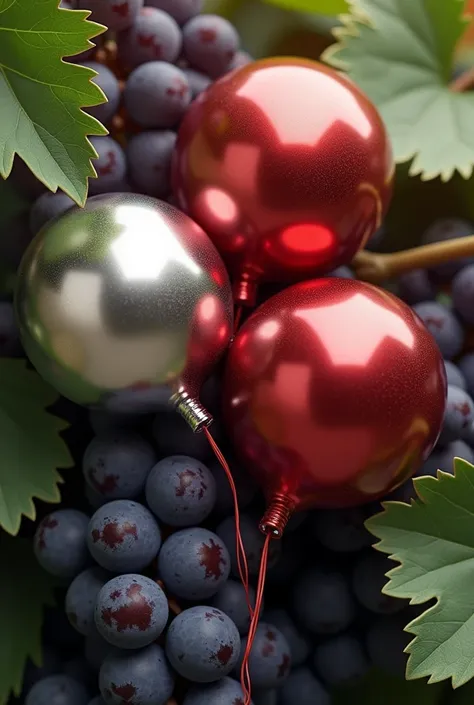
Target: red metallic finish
<point>287,166</point>
<point>334,393</point>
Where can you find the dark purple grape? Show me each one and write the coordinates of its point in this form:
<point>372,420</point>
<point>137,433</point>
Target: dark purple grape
<point>60,543</point>
<point>181,10</point>
<point>210,44</point>
<point>322,602</point>
<point>10,345</point>
<point>181,491</point>
<point>57,690</point>
<point>96,650</point>
<point>442,230</point>
<point>81,598</point>
<point>270,658</point>
<point>116,465</point>
<point>140,677</point>
<point>386,642</point>
<point>253,541</point>
<point>111,166</point>
<point>443,326</point>
<point>173,436</point>
<point>246,487</point>
<point>103,422</point>
<point>198,82</point>
<point>454,375</point>
<point>416,286</point>
<point>107,81</point>
<point>123,536</point>
<point>232,601</point>
<point>462,292</point>
<point>458,415</point>
<point>303,688</point>
<point>456,449</point>
<point>298,642</point>
<point>131,611</point>
<point>115,14</point>
<point>223,692</point>
<point>149,161</point>
<point>341,660</point>
<point>47,206</point>
<point>241,58</point>
<point>368,580</point>
<point>341,530</point>
<point>466,365</point>
<point>203,644</point>
<point>154,36</point>
<point>157,95</point>
<point>194,564</point>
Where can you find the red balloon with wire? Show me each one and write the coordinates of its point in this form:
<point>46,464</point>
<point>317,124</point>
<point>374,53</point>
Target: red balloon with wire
<point>287,166</point>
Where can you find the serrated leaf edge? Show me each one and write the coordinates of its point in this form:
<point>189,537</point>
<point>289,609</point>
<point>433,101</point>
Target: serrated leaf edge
<point>348,30</point>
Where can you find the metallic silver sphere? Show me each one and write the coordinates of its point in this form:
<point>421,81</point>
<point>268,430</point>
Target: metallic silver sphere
<point>124,304</point>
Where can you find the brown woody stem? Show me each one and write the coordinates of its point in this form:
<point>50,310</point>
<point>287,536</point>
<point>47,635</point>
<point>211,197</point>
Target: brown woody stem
<point>375,268</point>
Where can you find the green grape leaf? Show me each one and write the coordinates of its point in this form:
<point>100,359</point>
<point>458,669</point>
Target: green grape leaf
<point>379,687</point>
<point>319,7</point>
<point>41,95</point>
<point>31,447</point>
<point>400,52</point>
<point>433,540</point>
<point>24,590</point>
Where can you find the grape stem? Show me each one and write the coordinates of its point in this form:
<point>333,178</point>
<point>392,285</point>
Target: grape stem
<point>464,82</point>
<point>376,268</point>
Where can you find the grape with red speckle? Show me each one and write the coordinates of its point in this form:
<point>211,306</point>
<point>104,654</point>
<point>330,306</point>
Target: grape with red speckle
<point>60,543</point>
<point>180,491</point>
<point>111,166</point>
<point>141,677</point>
<point>154,36</point>
<point>298,642</point>
<point>116,465</point>
<point>270,657</point>
<point>57,690</point>
<point>231,600</point>
<point>194,564</point>
<point>123,536</point>
<point>116,15</point>
<point>149,161</point>
<point>341,660</point>
<point>157,95</point>
<point>131,611</point>
<point>443,326</point>
<point>303,688</point>
<point>10,345</point>
<point>223,692</point>
<point>368,580</point>
<point>210,44</point>
<point>253,541</point>
<point>107,81</point>
<point>322,601</point>
<point>181,10</point>
<point>81,598</point>
<point>203,644</point>
<point>198,81</point>
<point>48,206</point>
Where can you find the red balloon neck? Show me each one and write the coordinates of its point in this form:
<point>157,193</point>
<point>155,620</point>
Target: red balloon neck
<point>277,516</point>
<point>245,291</point>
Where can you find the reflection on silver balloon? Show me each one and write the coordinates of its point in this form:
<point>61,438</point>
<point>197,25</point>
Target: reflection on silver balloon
<point>124,304</point>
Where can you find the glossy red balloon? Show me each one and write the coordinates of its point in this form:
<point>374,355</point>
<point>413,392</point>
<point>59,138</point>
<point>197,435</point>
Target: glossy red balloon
<point>287,166</point>
<point>334,393</point>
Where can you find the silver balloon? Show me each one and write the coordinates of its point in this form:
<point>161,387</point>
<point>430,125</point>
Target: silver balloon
<point>125,304</point>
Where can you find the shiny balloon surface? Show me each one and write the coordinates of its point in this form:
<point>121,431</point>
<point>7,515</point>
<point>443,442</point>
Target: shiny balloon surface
<point>287,166</point>
<point>123,303</point>
<point>334,393</point>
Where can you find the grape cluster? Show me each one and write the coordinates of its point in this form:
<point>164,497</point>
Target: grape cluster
<point>152,611</point>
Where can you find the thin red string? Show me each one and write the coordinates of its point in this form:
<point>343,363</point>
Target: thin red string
<point>240,548</point>
<point>237,318</point>
<point>244,672</point>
